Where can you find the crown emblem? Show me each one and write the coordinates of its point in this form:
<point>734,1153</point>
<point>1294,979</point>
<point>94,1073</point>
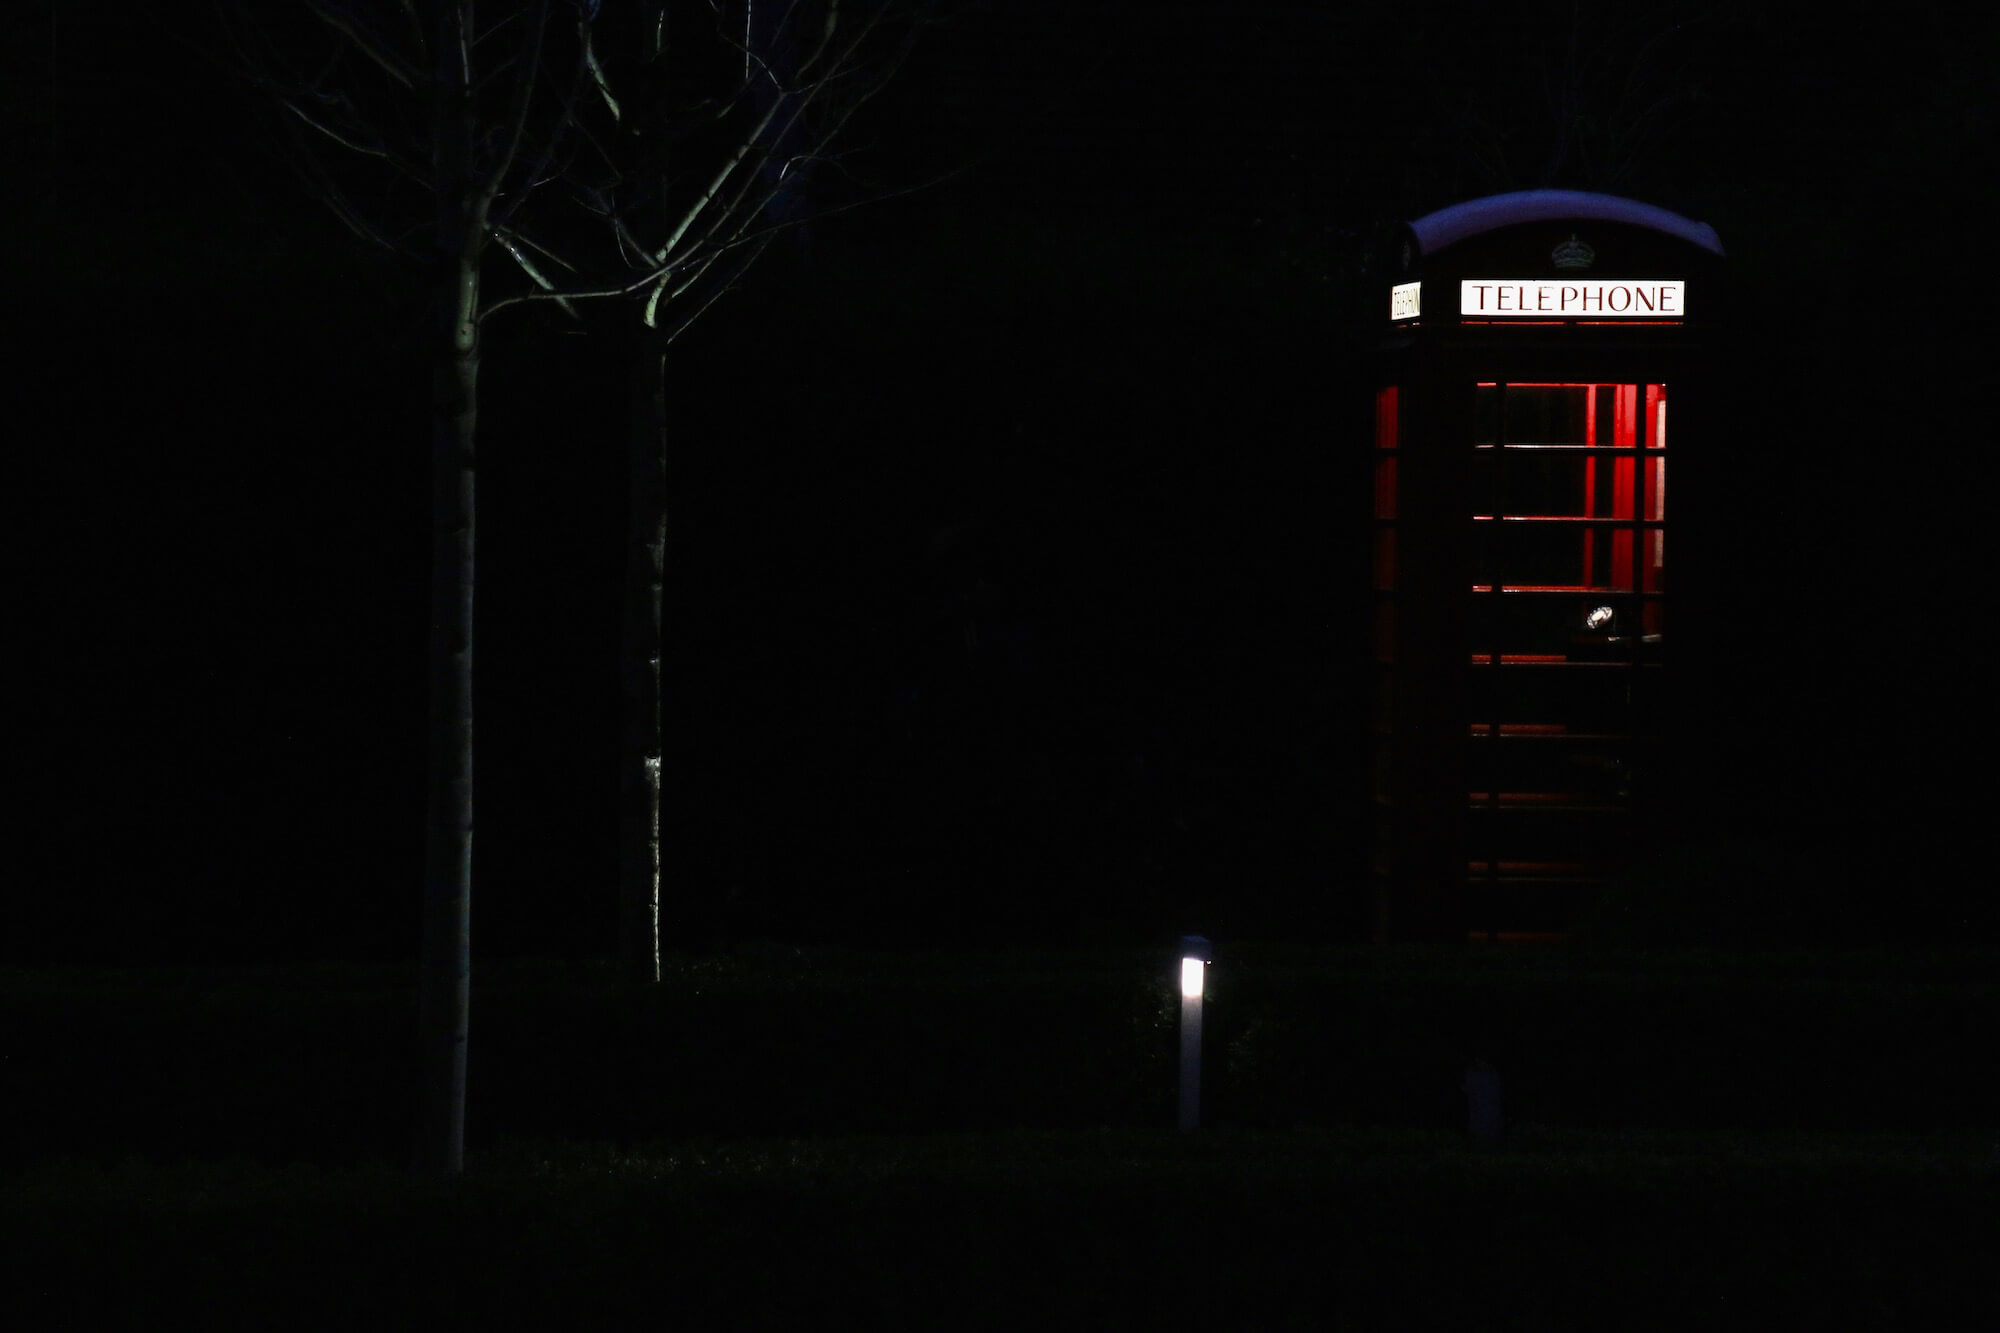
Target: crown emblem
<point>1573,253</point>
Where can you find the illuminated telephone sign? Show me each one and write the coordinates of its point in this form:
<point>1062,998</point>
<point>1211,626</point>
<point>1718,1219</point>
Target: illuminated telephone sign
<point>1544,298</point>
<point>1523,638</point>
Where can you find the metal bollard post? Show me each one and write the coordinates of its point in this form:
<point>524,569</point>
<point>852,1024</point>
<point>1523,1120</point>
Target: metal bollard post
<point>1195,953</point>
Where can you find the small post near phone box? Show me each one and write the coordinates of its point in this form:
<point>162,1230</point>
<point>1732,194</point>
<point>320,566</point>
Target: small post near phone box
<point>1195,955</point>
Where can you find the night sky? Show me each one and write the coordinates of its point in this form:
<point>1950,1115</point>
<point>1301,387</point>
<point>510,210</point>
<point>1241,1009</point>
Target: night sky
<point>1017,578</point>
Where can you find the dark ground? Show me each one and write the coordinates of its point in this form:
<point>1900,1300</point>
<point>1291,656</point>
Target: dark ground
<point>919,1138</point>
<point>1305,1230</point>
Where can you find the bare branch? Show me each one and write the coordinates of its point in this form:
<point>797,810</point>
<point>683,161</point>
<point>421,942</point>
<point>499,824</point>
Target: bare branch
<point>321,183</point>
<point>655,276</point>
<point>691,316</point>
<point>649,315</point>
<point>722,175</point>
<point>367,43</point>
<point>762,236</point>
<point>579,127</point>
<point>825,36</point>
<point>517,112</point>
<point>349,141</point>
<point>565,122</point>
<point>513,17</point>
<point>458,55</point>
<point>540,247</point>
<point>659,277</point>
<point>596,70</point>
<point>629,247</point>
<point>760,136</point>
<point>508,243</point>
<point>598,293</point>
<point>497,73</point>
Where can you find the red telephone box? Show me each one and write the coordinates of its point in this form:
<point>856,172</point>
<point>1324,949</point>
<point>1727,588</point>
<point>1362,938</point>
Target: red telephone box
<point>1537,346</point>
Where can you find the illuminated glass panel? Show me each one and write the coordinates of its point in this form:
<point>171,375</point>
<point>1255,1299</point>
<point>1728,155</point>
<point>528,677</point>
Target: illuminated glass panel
<point>1563,499</point>
<point>1564,623</point>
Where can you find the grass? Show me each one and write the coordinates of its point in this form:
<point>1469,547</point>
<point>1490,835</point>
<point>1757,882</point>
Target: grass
<point>948,1139</point>
<point>1108,1228</point>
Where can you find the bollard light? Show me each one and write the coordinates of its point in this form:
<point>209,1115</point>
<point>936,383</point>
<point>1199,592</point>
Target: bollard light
<point>1195,953</point>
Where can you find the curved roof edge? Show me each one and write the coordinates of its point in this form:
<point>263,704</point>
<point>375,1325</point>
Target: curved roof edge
<point>1450,225</point>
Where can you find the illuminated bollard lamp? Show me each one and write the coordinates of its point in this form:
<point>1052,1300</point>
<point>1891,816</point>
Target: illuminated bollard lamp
<point>1196,953</point>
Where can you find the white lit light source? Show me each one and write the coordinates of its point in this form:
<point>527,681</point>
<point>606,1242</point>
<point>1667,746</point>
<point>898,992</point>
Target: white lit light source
<point>1194,966</point>
<point>1572,298</point>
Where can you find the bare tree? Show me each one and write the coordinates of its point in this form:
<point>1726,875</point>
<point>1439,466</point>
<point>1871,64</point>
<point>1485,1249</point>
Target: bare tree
<point>561,153</point>
<point>805,69</point>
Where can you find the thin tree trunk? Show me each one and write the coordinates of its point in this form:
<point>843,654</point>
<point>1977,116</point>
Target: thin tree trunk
<point>639,674</point>
<point>447,942</point>
<point>446,967</point>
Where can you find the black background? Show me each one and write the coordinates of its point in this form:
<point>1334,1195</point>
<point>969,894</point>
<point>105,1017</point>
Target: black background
<point>1018,535</point>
